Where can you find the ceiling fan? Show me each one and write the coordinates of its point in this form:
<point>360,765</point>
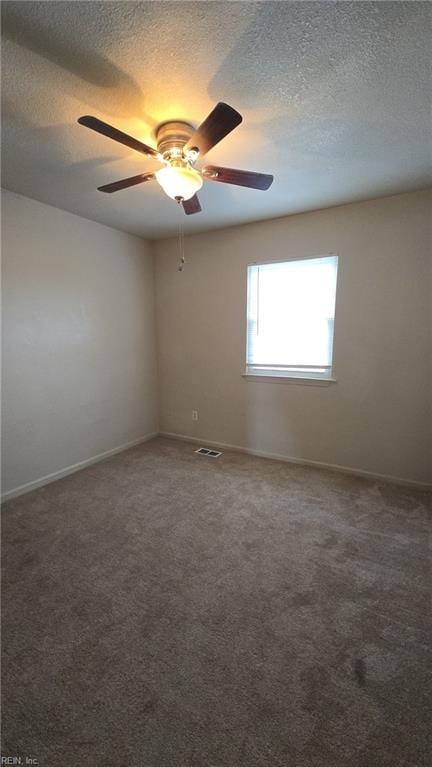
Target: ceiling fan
<point>179,146</point>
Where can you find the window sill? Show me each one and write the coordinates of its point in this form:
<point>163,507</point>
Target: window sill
<point>308,380</point>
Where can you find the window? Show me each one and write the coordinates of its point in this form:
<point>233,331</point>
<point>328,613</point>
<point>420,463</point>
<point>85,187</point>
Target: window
<point>290,318</point>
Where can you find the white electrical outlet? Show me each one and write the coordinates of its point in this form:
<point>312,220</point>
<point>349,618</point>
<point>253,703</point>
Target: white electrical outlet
<point>194,415</point>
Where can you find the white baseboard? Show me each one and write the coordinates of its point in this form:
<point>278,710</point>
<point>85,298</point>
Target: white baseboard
<point>28,486</point>
<point>301,461</point>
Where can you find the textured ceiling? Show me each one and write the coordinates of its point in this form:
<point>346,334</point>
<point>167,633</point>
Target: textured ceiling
<point>336,101</point>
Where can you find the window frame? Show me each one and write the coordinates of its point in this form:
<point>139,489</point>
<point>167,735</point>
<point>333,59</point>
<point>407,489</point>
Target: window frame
<point>296,375</point>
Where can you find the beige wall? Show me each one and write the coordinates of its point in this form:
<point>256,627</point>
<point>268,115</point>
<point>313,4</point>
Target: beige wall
<point>79,351</point>
<point>79,342</point>
<point>377,417</point>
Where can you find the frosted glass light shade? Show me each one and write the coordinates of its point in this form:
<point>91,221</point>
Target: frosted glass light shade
<point>179,182</point>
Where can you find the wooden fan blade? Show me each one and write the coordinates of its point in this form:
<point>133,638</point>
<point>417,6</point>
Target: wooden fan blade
<point>192,205</point>
<point>117,135</point>
<point>221,121</point>
<point>238,177</point>
<point>126,182</point>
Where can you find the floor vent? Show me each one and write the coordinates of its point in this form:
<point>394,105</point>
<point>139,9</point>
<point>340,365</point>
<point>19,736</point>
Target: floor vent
<point>208,452</point>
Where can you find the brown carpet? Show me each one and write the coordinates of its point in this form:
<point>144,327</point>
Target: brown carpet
<point>163,609</point>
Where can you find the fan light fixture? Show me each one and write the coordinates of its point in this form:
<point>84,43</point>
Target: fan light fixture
<point>180,183</point>
<point>179,146</point>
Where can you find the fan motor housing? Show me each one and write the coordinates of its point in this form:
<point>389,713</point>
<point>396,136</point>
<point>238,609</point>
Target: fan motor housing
<point>173,136</point>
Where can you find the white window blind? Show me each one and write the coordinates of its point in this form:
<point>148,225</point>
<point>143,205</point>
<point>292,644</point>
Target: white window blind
<point>290,317</point>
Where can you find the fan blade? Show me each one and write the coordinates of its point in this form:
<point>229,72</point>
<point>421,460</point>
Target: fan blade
<point>192,205</point>
<point>126,182</point>
<point>238,177</point>
<point>221,121</point>
<point>117,135</point>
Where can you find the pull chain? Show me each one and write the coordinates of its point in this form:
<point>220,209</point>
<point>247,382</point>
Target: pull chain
<point>181,241</point>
